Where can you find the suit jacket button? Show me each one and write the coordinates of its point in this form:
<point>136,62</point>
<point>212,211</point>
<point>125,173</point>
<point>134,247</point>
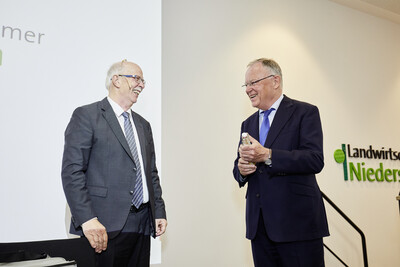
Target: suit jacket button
<point>131,192</point>
<point>257,195</point>
<point>260,171</point>
<point>134,169</point>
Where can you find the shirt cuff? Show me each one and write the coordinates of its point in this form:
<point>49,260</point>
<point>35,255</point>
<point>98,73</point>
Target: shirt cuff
<point>242,179</point>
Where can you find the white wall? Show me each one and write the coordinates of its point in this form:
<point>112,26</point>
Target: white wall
<point>344,61</point>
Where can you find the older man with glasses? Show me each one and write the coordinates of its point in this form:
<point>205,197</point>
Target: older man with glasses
<point>109,173</point>
<point>278,158</point>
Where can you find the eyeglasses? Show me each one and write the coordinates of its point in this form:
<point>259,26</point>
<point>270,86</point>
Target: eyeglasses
<point>256,81</point>
<point>137,78</point>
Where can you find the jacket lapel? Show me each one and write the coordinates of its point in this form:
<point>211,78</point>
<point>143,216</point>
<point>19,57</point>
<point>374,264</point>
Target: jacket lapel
<point>283,114</point>
<point>141,136</point>
<point>254,130</point>
<point>109,116</point>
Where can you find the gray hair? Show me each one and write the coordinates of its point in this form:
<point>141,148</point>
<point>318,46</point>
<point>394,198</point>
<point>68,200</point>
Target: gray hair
<point>270,64</point>
<point>115,69</point>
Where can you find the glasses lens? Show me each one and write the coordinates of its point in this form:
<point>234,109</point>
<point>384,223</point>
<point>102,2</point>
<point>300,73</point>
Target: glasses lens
<point>139,79</point>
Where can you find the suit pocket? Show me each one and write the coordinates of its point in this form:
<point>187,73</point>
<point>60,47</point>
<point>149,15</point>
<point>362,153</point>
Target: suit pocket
<point>98,191</point>
<point>302,201</point>
<point>302,190</point>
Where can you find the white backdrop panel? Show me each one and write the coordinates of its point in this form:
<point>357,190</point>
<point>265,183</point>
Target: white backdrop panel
<point>54,56</point>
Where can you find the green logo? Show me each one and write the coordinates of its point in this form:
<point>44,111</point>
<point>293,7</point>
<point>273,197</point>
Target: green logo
<point>361,171</point>
<point>340,157</point>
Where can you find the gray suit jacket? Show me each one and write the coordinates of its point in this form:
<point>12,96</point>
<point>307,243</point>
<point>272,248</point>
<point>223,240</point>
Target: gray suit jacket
<point>98,170</point>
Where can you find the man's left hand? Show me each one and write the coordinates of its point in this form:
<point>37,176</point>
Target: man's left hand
<point>254,152</point>
<point>161,225</point>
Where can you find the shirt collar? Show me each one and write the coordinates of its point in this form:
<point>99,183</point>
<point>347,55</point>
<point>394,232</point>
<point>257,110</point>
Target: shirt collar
<point>274,105</point>
<point>117,108</point>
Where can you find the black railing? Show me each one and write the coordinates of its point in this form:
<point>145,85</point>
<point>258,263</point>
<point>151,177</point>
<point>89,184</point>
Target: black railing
<point>336,256</point>
<point>364,245</point>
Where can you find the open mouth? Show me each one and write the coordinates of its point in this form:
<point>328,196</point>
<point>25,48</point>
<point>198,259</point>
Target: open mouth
<point>252,96</point>
<point>137,91</point>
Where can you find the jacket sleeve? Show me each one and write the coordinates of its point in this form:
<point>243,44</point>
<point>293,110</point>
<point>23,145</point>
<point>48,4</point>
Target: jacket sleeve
<point>236,173</point>
<point>159,204</point>
<point>77,148</point>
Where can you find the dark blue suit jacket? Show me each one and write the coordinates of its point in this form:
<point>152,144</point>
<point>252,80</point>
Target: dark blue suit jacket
<point>287,192</point>
<point>98,170</point>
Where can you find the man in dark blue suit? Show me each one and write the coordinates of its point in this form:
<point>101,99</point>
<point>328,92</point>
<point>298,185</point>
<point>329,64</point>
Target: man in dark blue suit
<point>109,173</point>
<point>285,214</point>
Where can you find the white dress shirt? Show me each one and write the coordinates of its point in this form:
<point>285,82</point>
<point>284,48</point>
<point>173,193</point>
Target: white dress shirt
<point>118,113</point>
<point>271,116</point>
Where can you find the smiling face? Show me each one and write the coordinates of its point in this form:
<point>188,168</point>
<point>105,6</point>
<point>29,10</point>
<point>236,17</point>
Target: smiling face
<point>131,87</point>
<point>125,90</point>
<point>265,92</point>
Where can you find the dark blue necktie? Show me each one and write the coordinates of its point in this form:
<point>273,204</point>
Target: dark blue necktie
<point>137,199</point>
<point>264,129</point>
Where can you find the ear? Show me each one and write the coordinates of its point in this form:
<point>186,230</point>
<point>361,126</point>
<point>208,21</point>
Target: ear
<point>116,81</point>
<point>277,82</point>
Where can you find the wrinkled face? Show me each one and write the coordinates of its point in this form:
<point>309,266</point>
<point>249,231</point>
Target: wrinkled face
<point>262,93</point>
<point>131,87</point>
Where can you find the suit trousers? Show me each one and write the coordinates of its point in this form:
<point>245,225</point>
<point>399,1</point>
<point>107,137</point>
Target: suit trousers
<point>130,247</point>
<point>267,253</point>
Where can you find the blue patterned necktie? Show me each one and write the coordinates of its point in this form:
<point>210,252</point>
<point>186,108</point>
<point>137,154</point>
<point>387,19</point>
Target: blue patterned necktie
<point>137,199</point>
<point>264,129</point>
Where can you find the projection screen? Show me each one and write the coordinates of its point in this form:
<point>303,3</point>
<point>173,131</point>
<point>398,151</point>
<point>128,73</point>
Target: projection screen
<point>54,56</point>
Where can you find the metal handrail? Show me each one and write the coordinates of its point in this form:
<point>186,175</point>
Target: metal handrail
<point>364,245</point>
<point>336,256</point>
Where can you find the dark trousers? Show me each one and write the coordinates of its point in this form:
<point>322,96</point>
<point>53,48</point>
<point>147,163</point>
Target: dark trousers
<point>131,246</point>
<point>267,253</point>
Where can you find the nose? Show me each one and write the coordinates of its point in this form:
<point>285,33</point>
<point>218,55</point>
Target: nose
<point>141,84</point>
<point>248,89</point>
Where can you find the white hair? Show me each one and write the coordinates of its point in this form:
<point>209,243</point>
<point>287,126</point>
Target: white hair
<point>269,64</point>
<point>115,69</point>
